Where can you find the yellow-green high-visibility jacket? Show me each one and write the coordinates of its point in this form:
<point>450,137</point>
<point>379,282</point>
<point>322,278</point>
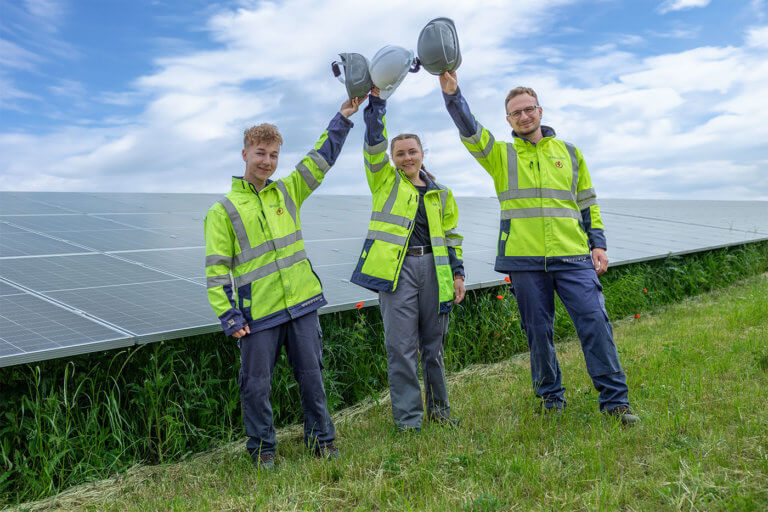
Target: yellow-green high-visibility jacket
<point>395,201</point>
<point>256,236</point>
<point>550,219</point>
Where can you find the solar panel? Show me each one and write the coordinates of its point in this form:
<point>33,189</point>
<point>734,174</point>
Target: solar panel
<point>33,329</point>
<point>81,272</point>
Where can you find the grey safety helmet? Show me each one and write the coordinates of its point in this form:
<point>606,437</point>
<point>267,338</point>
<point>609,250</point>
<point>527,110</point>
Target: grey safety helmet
<point>438,46</point>
<point>357,79</point>
<point>389,68</point>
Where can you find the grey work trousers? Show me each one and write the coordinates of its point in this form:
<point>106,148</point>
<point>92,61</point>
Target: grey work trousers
<point>413,326</point>
<point>258,354</point>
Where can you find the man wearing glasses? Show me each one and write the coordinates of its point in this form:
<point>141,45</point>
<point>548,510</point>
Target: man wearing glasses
<point>551,240</point>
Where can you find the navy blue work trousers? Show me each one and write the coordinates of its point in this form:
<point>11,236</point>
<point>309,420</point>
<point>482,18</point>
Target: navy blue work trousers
<point>581,293</point>
<point>259,352</point>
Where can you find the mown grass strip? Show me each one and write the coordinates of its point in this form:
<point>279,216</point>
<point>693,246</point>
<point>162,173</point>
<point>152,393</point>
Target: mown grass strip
<point>65,422</point>
<point>697,372</point>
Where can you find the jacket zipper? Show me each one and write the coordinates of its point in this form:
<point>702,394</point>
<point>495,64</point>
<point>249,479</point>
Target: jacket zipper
<point>401,253</point>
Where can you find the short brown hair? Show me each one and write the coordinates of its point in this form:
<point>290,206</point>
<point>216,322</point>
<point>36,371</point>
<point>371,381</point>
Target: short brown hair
<point>517,91</point>
<point>263,132</point>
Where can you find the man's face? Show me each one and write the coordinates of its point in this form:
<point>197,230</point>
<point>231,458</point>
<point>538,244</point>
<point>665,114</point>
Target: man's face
<point>261,160</point>
<point>524,114</point>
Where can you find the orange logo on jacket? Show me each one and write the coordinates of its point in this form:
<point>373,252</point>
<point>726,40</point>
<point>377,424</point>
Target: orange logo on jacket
<point>559,163</point>
<point>279,211</point>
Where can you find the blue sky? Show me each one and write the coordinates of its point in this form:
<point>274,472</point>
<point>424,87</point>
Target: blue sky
<point>666,98</point>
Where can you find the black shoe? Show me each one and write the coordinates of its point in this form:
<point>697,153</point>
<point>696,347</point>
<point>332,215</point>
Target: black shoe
<point>263,461</point>
<point>408,429</point>
<point>624,414</point>
<point>326,451</point>
<point>554,411</point>
<point>444,421</point>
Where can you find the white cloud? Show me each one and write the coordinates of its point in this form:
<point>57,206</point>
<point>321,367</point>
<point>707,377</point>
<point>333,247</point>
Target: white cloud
<point>758,37</point>
<point>648,125</point>
<point>679,5</point>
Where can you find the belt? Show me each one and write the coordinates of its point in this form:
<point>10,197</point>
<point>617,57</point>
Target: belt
<point>419,250</point>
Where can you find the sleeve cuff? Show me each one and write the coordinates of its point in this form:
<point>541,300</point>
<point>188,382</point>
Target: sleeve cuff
<point>378,101</point>
<point>339,119</point>
<point>232,321</point>
<point>452,97</point>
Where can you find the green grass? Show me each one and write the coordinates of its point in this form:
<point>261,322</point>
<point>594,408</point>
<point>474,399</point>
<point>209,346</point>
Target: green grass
<point>65,422</point>
<point>697,373</point>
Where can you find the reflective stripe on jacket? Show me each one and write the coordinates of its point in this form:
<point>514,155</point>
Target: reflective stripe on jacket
<point>256,237</point>
<point>550,219</point>
<point>395,201</point>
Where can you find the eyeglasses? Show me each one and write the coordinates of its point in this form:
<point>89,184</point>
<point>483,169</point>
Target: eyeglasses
<point>518,113</point>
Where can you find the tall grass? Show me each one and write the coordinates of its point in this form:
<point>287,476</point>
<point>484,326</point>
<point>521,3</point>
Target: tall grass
<point>64,422</point>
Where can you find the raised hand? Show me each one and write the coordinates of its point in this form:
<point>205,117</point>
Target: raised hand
<point>448,82</point>
<point>350,106</point>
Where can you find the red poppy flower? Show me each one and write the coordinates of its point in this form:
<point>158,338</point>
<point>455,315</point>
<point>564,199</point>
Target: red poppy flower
<point>507,279</point>
<point>498,335</point>
<point>359,305</point>
<point>637,315</point>
<point>499,297</point>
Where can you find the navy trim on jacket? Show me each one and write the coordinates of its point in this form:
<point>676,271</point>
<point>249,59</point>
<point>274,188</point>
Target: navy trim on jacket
<point>337,129</point>
<point>374,123</point>
<point>506,264</point>
<point>288,314</point>
<point>459,111</point>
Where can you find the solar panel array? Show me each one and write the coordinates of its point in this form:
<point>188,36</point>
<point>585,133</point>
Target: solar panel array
<point>83,272</point>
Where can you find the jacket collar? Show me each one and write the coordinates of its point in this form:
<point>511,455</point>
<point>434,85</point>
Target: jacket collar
<point>546,131</point>
<point>241,185</point>
<point>431,185</point>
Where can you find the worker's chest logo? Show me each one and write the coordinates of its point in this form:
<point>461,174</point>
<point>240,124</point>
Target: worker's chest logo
<point>559,163</point>
<point>279,211</point>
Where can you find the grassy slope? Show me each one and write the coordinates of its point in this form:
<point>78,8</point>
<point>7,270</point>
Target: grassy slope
<point>697,371</point>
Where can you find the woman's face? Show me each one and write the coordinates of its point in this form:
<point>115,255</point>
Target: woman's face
<point>407,156</point>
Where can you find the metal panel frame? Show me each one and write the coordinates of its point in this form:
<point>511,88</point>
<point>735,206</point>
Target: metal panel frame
<point>688,226</point>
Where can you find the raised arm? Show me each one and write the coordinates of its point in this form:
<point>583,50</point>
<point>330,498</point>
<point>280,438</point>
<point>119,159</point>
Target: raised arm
<point>478,140</point>
<point>311,170</point>
<point>377,165</point>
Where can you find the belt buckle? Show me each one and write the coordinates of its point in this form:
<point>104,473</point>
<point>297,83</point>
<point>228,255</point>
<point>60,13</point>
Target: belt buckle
<point>418,250</point>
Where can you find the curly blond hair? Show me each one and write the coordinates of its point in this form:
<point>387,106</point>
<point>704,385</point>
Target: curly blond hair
<point>263,132</point>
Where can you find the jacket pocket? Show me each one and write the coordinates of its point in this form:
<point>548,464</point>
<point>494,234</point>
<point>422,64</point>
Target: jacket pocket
<point>244,301</point>
<point>381,260</point>
<point>503,237</point>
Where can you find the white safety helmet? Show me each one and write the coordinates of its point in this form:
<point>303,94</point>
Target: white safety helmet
<point>389,67</point>
<point>438,46</point>
<point>356,78</point>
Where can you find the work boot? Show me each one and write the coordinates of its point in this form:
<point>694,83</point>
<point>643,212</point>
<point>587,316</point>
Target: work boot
<point>326,451</point>
<point>624,414</point>
<point>553,411</point>
<point>443,421</point>
<point>408,429</point>
<point>263,461</point>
